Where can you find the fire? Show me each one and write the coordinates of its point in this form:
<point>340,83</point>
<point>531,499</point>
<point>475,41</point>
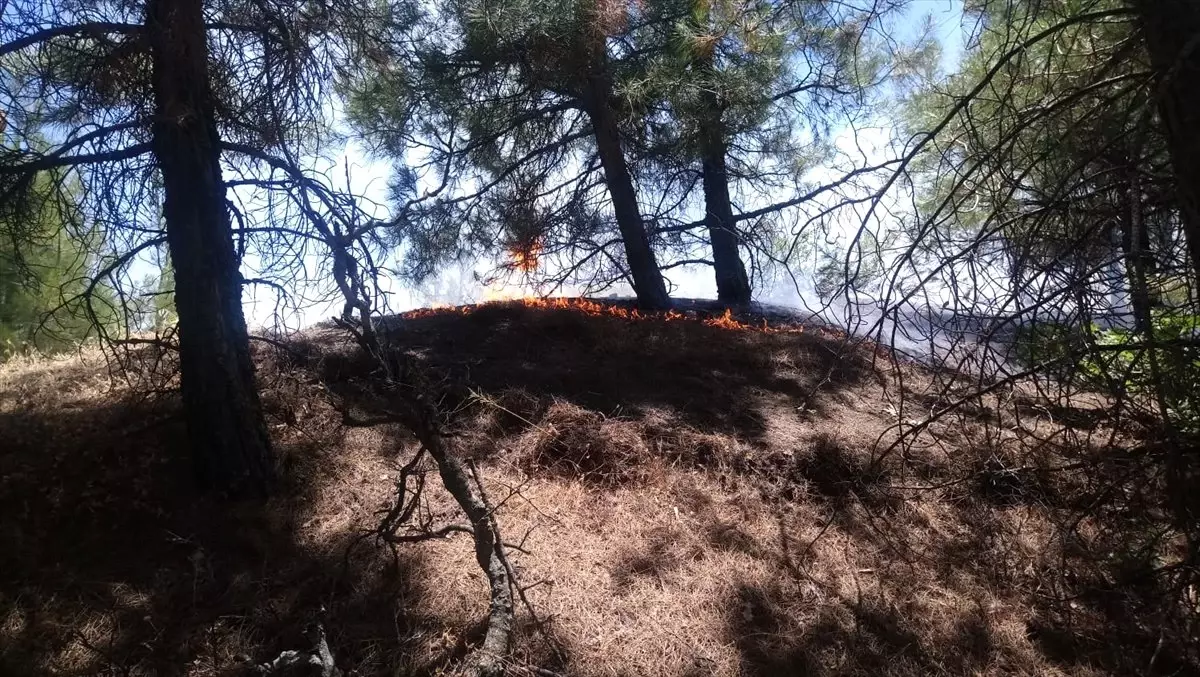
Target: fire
<point>589,307</point>
<point>585,306</point>
<point>525,258</point>
<point>726,321</point>
<point>438,309</point>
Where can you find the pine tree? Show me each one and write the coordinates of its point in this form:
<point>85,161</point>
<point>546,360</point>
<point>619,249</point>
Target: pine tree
<point>514,103</point>
<point>749,92</point>
<point>46,263</point>
<point>147,107</point>
<point>1171,29</point>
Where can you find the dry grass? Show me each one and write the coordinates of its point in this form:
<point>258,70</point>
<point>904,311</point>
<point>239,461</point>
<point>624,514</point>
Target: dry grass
<point>692,505</point>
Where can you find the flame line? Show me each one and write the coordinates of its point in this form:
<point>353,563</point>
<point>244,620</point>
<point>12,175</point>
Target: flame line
<point>589,307</point>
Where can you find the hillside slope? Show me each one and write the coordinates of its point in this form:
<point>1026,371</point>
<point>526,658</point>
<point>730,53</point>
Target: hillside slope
<point>691,496</point>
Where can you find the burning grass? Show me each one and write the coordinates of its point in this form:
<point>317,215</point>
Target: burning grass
<point>723,319</point>
<point>699,496</point>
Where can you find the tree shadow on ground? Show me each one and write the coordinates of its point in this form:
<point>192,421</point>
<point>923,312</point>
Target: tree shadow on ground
<point>777,634</point>
<point>859,637</point>
<point>840,475</point>
<point>117,566</point>
<point>1100,604</point>
<point>113,564</point>
<point>713,379</point>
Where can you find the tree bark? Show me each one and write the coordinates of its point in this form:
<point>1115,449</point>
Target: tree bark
<point>733,285</point>
<point>490,660</point>
<point>648,282</point>
<point>230,446</point>
<point>1139,260</point>
<point>1172,32</point>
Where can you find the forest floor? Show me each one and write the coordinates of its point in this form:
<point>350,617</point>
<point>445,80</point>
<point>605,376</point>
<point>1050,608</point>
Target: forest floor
<point>691,498</point>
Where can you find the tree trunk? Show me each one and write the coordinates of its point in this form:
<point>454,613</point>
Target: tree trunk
<point>647,278</point>
<point>230,446</point>
<point>1135,250</point>
<point>1172,32</point>
<point>733,285</point>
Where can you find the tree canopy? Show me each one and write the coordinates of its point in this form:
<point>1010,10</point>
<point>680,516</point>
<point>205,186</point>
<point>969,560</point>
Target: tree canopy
<point>47,264</point>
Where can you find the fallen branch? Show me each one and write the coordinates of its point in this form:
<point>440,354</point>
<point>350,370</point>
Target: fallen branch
<point>418,413</point>
<point>489,550</point>
<point>538,622</point>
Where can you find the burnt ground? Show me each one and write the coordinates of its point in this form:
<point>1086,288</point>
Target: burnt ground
<point>692,498</point>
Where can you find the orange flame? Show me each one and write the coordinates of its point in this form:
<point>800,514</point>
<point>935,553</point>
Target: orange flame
<point>589,307</point>
<point>725,321</point>
<point>525,259</point>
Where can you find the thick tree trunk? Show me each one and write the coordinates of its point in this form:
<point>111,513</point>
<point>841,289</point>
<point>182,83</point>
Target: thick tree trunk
<point>1172,30</point>
<point>647,278</point>
<point>230,446</point>
<point>733,285</point>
